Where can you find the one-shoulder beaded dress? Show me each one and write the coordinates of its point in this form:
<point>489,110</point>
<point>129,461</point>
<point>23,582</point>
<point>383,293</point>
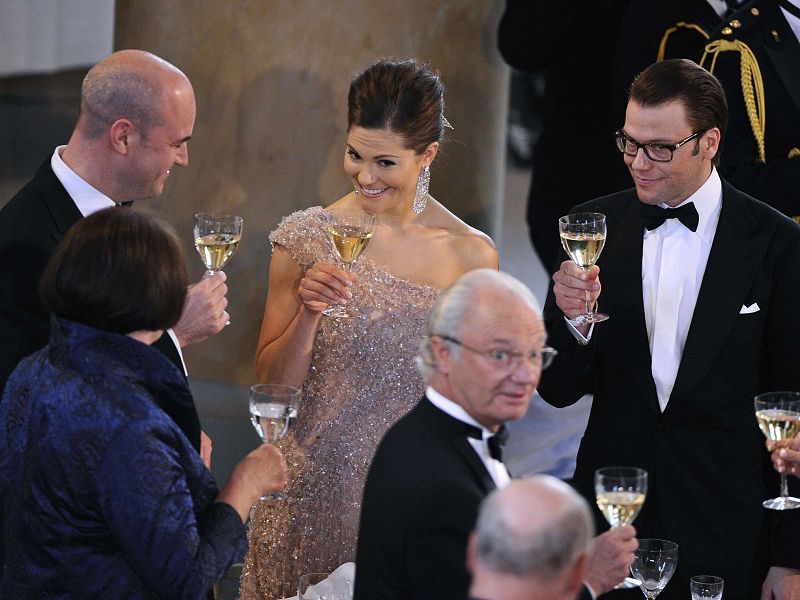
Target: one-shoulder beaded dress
<point>362,379</point>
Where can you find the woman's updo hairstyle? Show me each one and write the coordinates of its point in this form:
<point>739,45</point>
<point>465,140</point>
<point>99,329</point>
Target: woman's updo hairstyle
<point>405,97</point>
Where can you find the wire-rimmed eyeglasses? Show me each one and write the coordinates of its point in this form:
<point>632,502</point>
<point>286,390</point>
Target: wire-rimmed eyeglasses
<point>506,359</point>
<point>656,152</point>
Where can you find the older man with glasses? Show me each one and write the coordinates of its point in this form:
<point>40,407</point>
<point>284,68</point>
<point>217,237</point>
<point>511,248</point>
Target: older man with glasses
<point>482,359</point>
<point>701,282</point>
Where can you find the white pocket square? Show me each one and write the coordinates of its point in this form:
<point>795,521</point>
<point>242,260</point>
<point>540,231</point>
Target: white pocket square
<point>747,310</point>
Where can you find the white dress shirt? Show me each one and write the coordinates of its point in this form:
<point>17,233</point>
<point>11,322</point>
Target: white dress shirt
<point>793,21</point>
<point>497,470</point>
<point>89,200</point>
<point>674,261</point>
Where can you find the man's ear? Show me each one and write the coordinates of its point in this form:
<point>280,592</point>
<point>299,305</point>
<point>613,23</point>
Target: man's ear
<point>121,134</point>
<point>442,354</point>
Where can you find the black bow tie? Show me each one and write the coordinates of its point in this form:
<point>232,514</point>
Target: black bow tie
<point>127,204</point>
<point>495,441</point>
<point>654,216</point>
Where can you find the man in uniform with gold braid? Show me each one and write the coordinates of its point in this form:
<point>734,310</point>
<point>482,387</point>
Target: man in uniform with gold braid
<point>756,56</point>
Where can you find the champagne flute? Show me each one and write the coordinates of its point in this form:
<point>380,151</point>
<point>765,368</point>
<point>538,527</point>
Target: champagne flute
<point>272,408</point>
<point>216,237</point>
<point>583,236</point>
<point>653,564</point>
<point>620,493</point>
<point>350,233</point>
<point>778,415</point>
<point>706,587</point>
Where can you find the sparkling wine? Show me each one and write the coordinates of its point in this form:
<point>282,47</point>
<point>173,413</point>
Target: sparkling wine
<point>583,248</point>
<point>271,420</point>
<point>349,241</point>
<point>778,424</point>
<point>620,508</point>
<point>699,596</point>
<point>216,248</point>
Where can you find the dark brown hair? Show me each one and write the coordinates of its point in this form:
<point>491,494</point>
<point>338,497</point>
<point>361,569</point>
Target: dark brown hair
<point>118,270</point>
<point>689,83</point>
<point>405,97</point>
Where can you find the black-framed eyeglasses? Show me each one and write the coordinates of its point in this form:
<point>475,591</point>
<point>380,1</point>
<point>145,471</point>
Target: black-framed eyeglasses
<point>655,152</point>
<point>506,359</point>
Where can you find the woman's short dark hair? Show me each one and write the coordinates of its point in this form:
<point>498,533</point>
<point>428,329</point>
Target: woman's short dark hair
<point>681,79</point>
<point>405,97</point>
<point>118,270</point>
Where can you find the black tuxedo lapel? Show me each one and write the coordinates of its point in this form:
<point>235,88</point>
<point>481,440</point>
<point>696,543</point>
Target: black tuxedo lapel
<point>62,208</point>
<point>453,431</point>
<point>739,243</point>
<point>623,254</point>
<point>784,54</point>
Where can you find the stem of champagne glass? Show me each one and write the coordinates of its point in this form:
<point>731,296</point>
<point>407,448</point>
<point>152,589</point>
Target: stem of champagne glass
<point>784,486</point>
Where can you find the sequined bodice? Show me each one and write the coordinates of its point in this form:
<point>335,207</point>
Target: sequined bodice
<point>362,379</point>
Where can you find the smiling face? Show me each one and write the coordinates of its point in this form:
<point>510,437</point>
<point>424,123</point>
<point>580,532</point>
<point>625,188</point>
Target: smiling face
<point>383,170</point>
<point>164,145</point>
<point>492,395</point>
<point>674,181</point>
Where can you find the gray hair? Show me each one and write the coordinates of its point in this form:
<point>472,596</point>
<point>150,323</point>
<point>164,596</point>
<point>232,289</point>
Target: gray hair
<point>544,553</point>
<point>451,309</point>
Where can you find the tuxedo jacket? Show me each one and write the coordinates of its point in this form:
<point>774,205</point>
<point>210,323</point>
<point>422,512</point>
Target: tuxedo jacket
<point>762,27</point>
<point>32,225</point>
<point>705,456</point>
<point>421,502</point>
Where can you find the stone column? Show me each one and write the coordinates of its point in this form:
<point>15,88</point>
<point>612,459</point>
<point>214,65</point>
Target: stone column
<point>271,79</point>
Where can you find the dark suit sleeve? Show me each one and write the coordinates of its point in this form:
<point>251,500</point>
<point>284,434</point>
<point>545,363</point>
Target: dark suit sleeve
<point>572,373</point>
<point>24,324</point>
<point>436,555</point>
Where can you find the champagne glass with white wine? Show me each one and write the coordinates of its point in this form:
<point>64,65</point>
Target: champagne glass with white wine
<point>653,564</point>
<point>350,233</point>
<point>273,407</point>
<point>216,237</point>
<point>778,416</point>
<point>620,493</point>
<point>583,236</point>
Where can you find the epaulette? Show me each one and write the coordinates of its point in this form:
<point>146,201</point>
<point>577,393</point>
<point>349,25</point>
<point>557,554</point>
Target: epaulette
<point>680,25</point>
<point>751,80</point>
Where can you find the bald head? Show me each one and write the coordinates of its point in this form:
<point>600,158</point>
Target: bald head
<point>129,84</point>
<point>535,527</point>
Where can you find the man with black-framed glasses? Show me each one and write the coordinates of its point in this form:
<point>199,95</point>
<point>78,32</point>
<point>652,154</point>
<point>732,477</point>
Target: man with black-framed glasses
<point>482,359</point>
<point>701,282</point>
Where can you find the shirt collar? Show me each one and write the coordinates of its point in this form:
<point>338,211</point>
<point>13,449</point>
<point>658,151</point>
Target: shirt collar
<point>88,199</point>
<point>708,201</point>
<point>454,410</point>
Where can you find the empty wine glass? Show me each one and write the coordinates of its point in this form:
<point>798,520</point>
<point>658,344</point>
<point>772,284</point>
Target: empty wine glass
<point>706,587</point>
<point>653,564</point>
<point>778,415</point>
<point>350,233</point>
<point>272,408</point>
<point>583,236</point>
<point>216,238</point>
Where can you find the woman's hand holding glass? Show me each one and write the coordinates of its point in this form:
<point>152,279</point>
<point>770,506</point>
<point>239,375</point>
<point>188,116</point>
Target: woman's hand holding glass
<point>324,285</point>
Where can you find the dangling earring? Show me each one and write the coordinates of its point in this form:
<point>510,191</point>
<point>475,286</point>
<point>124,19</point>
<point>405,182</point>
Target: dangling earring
<point>355,189</point>
<point>421,195</point>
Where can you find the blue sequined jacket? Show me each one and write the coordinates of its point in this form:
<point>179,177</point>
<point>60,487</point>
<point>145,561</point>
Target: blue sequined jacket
<point>102,495</point>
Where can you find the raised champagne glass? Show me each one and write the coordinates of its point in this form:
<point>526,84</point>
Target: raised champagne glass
<point>706,587</point>
<point>778,416</point>
<point>216,237</point>
<point>620,494</point>
<point>653,564</point>
<point>350,233</point>
<point>273,407</point>
<point>583,236</point>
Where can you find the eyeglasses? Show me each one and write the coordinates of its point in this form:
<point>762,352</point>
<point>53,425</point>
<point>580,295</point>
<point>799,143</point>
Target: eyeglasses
<point>655,152</point>
<point>506,359</point>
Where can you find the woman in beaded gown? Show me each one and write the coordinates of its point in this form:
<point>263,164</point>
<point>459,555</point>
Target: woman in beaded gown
<point>358,374</point>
